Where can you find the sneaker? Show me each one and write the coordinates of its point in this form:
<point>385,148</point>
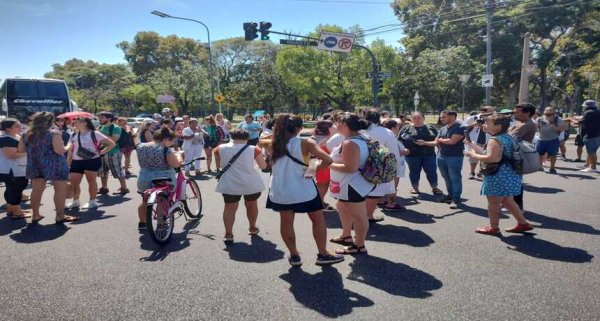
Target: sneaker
<point>456,205</point>
<point>504,210</point>
<point>329,259</point>
<point>552,171</point>
<point>141,226</point>
<point>589,170</point>
<point>295,260</point>
<point>444,199</point>
<point>520,228</point>
<point>72,204</point>
<point>90,205</point>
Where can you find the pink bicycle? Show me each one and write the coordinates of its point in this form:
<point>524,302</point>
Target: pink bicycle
<point>166,203</point>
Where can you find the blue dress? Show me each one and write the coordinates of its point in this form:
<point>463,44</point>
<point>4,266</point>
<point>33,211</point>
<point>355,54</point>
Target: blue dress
<point>43,162</point>
<point>506,182</point>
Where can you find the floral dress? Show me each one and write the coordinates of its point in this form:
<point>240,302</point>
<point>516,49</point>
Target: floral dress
<point>506,182</point>
<point>42,161</point>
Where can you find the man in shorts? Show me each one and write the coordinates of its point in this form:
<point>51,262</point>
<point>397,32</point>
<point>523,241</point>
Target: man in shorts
<point>590,133</point>
<point>111,161</point>
<point>549,127</point>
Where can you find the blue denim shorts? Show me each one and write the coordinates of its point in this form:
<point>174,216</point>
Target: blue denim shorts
<point>146,176</point>
<point>592,145</point>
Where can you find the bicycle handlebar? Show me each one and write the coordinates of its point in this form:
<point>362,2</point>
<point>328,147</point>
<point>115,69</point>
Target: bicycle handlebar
<point>193,160</point>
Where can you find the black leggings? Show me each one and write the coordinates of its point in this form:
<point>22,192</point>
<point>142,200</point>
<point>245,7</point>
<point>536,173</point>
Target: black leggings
<point>14,188</point>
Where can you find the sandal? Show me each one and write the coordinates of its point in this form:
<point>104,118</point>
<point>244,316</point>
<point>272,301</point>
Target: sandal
<point>415,190</point>
<point>121,191</point>
<point>395,208</point>
<point>342,240</point>
<point>67,219</point>
<point>488,230</point>
<point>228,238</point>
<point>352,249</point>
<point>253,231</point>
<point>21,216</point>
<point>37,220</point>
<point>437,191</point>
<point>520,228</point>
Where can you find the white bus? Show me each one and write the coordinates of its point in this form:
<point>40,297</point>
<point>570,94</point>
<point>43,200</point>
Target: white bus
<point>22,97</point>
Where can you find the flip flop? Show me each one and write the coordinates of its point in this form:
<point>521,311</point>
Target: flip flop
<point>397,207</point>
<point>67,219</point>
<point>352,249</point>
<point>22,216</point>
<point>375,219</point>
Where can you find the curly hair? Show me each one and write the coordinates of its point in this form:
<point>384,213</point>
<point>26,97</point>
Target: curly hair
<point>286,126</point>
<point>40,123</point>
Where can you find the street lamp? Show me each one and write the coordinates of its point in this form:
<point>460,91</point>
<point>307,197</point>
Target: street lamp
<point>463,80</point>
<point>416,100</point>
<point>210,65</point>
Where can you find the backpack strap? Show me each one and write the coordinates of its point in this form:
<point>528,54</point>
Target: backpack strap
<point>111,129</point>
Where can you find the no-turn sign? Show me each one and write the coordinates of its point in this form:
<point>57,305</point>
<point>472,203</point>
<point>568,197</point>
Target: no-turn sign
<point>336,41</point>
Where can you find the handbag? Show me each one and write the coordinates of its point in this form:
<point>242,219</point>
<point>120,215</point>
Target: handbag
<point>233,159</point>
<point>84,153</point>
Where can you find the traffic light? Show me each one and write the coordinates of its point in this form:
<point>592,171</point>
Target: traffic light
<point>379,85</point>
<point>264,30</point>
<point>251,30</point>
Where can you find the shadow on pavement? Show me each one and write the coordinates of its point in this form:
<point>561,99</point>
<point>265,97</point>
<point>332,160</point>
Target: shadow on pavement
<point>179,241</point>
<point>399,235</point>
<point>580,176</point>
<point>324,292</point>
<point>87,216</point>
<point>551,223</point>
<point>332,219</point>
<point>411,216</point>
<point>546,250</point>
<point>393,278</point>
<point>35,233</point>
<point>8,225</point>
<point>106,200</point>
<point>542,190</point>
<point>258,251</point>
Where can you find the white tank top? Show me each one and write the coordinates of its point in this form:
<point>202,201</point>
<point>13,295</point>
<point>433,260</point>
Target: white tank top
<point>338,185</point>
<point>287,184</point>
<point>241,178</point>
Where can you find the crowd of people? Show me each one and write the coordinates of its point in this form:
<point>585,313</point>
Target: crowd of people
<point>302,170</point>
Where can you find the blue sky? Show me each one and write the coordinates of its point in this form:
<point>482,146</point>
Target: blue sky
<point>38,33</point>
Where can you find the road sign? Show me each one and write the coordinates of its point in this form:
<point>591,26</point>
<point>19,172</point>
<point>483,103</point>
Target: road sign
<point>336,41</point>
<point>219,98</point>
<point>487,80</point>
<point>165,99</point>
<point>298,43</point>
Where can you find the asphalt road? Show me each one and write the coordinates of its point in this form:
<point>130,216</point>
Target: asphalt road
<point>424,264</point>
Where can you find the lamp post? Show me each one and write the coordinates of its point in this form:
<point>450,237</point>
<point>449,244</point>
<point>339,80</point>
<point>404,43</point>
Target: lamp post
<point>416,100</point>
<point>591,75</point>
<point>210,65</point>
<point>463,80</point>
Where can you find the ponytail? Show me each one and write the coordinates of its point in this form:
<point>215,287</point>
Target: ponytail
<point>286,126</point>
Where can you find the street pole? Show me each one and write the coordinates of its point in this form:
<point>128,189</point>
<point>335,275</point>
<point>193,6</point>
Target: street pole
<point>375,73</point>
<point>210,65</point>
<point>525,70</point>
<point>591,75</point>
<point>488,53</point>
<point>463,80</point>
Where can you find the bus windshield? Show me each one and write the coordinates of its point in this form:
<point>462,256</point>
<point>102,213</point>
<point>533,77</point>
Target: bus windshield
<point>27,96</point>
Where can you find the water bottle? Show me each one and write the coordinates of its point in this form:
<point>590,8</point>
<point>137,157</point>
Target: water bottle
<point>312,168</point>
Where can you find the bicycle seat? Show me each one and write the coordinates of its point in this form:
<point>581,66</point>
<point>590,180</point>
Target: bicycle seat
<point>161,180</point>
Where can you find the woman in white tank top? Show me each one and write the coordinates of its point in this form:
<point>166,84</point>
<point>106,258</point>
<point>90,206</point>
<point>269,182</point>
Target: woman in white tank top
<point>291,192</point>
<point>349,186</point>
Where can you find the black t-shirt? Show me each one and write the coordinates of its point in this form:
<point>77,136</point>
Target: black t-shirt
<point>590,124</point>
<point>409,134</point>
<point>6,141</point>
<point>448,132</point>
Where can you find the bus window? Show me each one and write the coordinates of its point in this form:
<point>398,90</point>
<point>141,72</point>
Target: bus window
<point>22,89</point>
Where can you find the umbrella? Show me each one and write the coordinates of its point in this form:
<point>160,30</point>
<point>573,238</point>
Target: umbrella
<point>75,114</point>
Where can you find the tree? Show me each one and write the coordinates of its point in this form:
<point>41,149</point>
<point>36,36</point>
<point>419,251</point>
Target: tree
<point>188,84</point>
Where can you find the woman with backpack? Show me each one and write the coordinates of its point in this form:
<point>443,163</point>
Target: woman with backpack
<point>349,187</point>
<point>501,182</point>
<point>88,146</point>
<point>291,192</point>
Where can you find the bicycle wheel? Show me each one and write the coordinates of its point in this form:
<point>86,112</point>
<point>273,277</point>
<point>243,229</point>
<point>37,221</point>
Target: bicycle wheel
<point>192,203</point>
<point>159,221</point>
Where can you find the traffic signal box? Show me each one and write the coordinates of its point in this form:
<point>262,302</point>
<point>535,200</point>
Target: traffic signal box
<point>251,30</point>
<point>264,30</point>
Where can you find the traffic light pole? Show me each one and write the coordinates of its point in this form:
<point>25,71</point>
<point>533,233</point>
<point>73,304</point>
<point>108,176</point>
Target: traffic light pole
<point>374,74</point>
<point>488,50</point>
